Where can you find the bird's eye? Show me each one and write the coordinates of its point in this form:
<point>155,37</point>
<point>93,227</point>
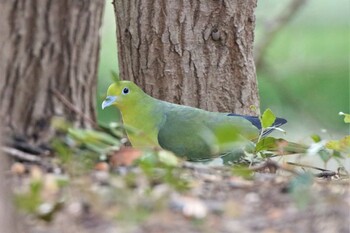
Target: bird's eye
<point>125,90</point>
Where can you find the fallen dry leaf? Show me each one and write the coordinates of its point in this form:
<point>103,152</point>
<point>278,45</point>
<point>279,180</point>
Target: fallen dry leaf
<point>101,166</point>
<point>124,157</point>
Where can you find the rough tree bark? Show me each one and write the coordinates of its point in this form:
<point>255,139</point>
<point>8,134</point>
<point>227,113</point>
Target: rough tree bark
<point>196,52</point>
<point>49,53</point>
<point>7,216</point>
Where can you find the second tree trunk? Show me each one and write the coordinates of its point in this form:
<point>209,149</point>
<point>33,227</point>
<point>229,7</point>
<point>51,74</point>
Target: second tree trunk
<point>197,53</point>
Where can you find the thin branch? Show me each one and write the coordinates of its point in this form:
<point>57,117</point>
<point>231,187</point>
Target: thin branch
<point>70,106</point>
<point>325,173</point>
<point>21,155</point>
<point>273,26</point>
<point>308,166</point>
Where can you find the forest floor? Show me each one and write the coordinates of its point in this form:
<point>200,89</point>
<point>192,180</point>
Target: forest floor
<point>56,195</point>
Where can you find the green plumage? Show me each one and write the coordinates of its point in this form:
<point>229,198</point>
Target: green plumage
<point>180,129</point>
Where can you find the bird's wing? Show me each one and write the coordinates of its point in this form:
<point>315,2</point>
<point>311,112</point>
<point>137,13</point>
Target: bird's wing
<point>181,134</point>
<point>256,122</point>
<point>185,131</point>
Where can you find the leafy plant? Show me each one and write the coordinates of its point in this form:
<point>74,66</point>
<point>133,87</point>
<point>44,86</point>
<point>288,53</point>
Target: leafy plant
<point>33,200</point>
<point>162,167</point>
<point>30,201</point>
<point>346,117</point>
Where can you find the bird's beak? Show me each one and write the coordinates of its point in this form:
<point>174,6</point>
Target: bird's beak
<point>108,101</point>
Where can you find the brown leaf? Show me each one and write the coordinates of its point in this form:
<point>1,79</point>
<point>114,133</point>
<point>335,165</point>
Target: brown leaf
<point>101,166</point>
<point>124,157</point>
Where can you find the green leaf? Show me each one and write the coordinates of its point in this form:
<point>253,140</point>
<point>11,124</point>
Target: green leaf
<point>168,158</point>
<point>225,137</point>
<point>93,140</point>
<point>102,137</point>
<point>63,152</point>
<point>161,158</point>
<point>115,77</point>
<point>148,160</point>
<point>316,138</point>
<point>325,155</point>
<point>227,134</point>
<point>267,118</point>
<point>243,172</point>
<point>115,129</point>
<point>268,143</point>
<point>93,136</point>
<point>346,117</point>
<point>337,155</point>
<point>30,201</point>
<point>342,145</point>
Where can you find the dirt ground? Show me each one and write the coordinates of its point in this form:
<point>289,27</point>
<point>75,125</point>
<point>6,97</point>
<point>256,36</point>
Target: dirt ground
<point>194,198</point>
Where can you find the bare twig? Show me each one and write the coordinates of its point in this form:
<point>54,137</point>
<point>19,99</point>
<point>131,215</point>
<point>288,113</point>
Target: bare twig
<point>325,173</point>
<point>273,26</point>
<point>70,106</point>
<point>24,146</point>
<point>21,155</point>
<point>308,166</point>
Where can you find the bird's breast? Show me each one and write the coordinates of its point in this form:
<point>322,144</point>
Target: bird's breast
<point>141,130</point>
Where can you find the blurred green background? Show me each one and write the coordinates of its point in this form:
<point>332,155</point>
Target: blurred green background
<point>305,78</point>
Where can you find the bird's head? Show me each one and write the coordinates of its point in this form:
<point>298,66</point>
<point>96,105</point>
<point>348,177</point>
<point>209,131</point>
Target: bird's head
<point>122,93</point>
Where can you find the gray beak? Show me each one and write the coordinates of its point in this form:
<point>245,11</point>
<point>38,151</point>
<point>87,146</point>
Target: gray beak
<point>108,101</point>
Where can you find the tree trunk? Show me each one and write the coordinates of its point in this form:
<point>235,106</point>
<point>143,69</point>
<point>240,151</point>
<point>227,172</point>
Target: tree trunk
<point>7,213</point>
<point>49,55</point>
<point>197,53</point>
